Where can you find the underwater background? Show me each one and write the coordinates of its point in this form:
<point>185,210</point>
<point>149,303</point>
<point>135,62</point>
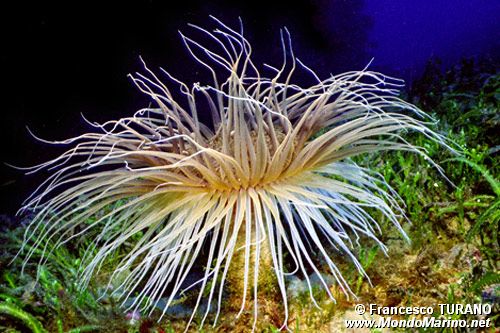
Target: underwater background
<point>63,59</point>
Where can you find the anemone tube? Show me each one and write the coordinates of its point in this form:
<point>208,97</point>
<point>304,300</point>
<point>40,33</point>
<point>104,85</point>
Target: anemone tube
<point>271,172</point>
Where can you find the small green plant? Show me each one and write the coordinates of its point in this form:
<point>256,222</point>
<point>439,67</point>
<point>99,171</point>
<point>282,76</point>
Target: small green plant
<point>366,258</point>
<point>49,291</point>
<point>30,321</point>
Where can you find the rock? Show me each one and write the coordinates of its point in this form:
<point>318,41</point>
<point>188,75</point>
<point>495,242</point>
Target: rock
<point>327,278</point>
<point>491,294</point>
<point>179,311</point>
<point>296,286</point>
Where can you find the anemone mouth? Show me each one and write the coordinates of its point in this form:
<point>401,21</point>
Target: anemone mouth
<point>258,178</point>
<point>278,167</point>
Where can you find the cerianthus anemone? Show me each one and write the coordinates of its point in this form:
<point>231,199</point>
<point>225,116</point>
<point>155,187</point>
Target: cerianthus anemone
<point>271,174</point>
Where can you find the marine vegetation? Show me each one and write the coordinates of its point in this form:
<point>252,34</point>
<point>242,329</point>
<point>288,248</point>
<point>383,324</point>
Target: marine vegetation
<point>273,183</point>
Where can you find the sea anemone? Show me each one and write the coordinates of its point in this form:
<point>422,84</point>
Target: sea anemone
<point>269,174</point>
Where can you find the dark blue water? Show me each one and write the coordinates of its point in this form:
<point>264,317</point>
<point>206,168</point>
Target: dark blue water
<point>405,34</point>
<point>62,59</point>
